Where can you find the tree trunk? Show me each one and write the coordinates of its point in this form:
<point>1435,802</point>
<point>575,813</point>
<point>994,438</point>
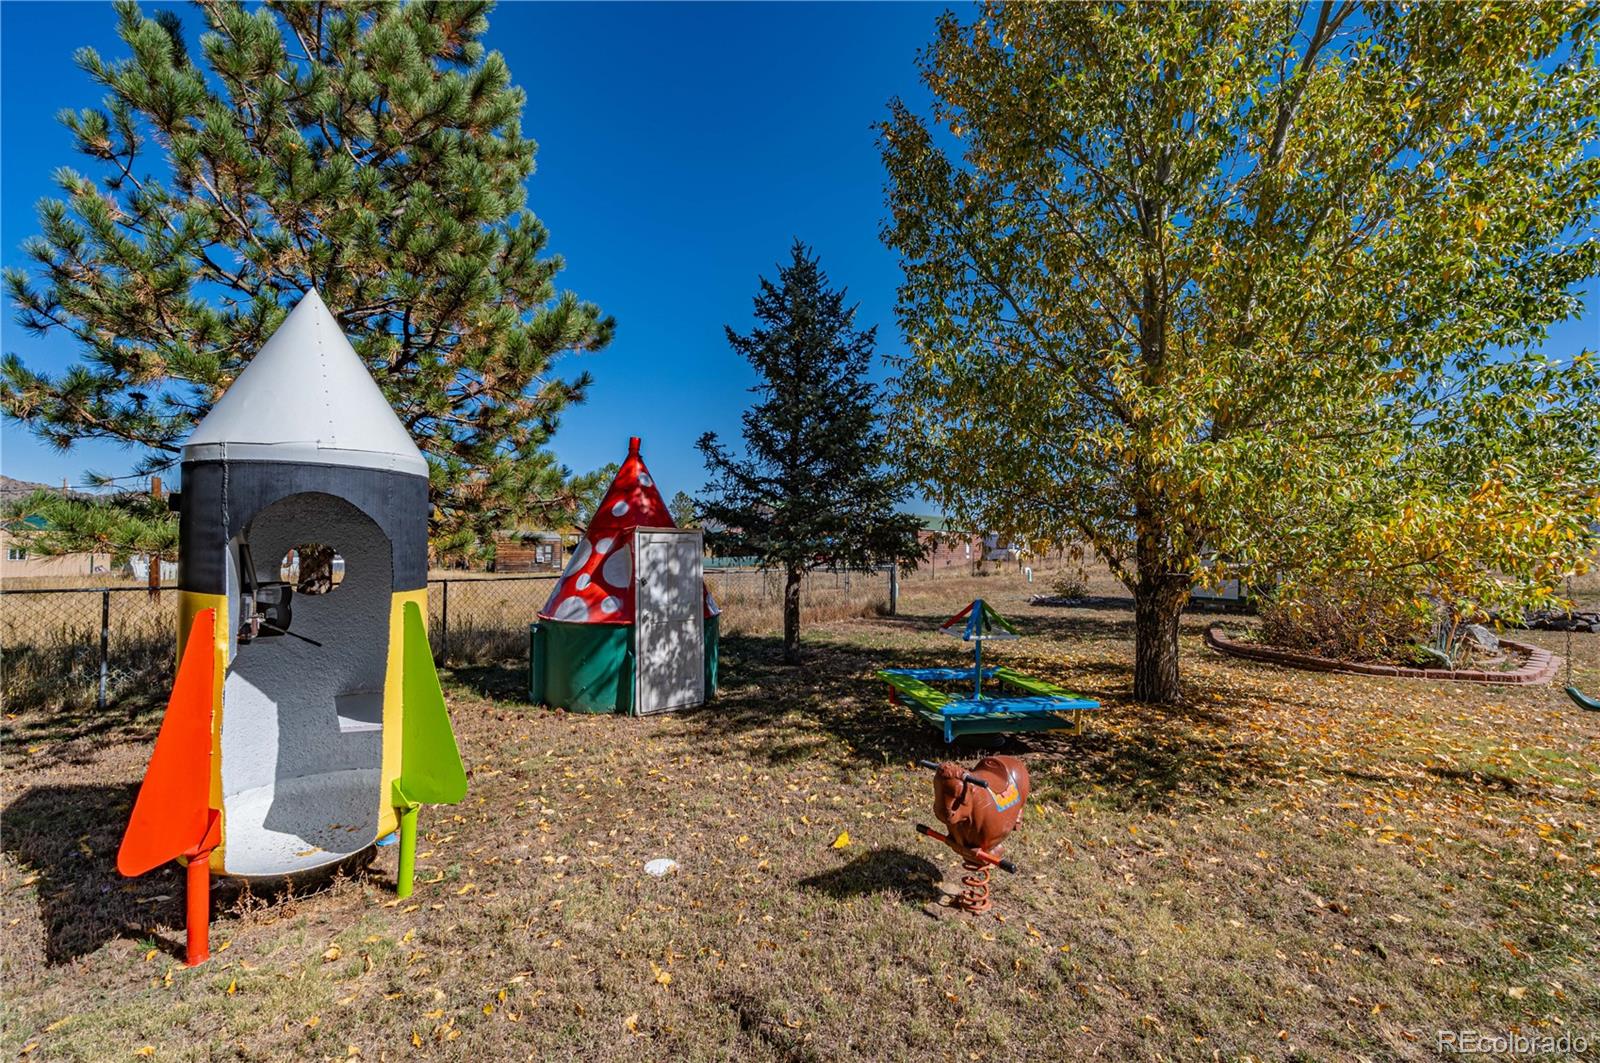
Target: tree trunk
<point>316,569</point>
<point>1159,594</point>
<point>1155,643</point>
<point>791,616</point>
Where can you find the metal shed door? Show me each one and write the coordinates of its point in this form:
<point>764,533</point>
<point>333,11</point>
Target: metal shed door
<point>669,617</point>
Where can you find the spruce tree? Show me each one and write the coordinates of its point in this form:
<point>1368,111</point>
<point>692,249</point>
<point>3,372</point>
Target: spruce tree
<point>812,488</point>
<point>685,510</point>
<point>370,150</point>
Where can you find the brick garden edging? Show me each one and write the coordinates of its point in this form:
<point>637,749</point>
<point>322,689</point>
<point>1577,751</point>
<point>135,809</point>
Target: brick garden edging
<point>1541,665</point>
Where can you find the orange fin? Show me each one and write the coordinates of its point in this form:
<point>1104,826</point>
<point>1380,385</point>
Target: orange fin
<point>172,815</point>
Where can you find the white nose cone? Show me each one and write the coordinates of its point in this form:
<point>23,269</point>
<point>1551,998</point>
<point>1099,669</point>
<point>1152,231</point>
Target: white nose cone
<point>306,397</point>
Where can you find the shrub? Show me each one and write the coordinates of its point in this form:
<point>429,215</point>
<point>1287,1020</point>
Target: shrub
<point>1354,620</point>
<point>1073,579</point>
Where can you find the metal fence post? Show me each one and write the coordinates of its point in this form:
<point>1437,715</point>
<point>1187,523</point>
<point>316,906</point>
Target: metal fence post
<point>444,622</point>
<point>105,646</point>
<point>894,590</point>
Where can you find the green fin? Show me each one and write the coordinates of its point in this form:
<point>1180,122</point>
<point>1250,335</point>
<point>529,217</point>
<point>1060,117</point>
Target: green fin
<point>430,764</point>
<point>996,620</point>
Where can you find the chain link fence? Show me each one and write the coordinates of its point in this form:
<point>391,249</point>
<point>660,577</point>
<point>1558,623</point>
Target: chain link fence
<point>84,645</point>
<point>752,598</point>
<point>105,645</point>
<point>474,619</point>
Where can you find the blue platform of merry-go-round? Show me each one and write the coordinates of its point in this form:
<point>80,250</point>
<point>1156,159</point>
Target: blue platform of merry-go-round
<point>1024,703</point>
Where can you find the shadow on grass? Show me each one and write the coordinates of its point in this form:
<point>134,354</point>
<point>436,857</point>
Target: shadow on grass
<point>68,835</point>
<point>500,681</point>
<point>830,707</point>
<point>73,735</point>
<point>1127,755</point>
<point>1069,625</point>
<point>1124,602</point>
<point>914,878</point>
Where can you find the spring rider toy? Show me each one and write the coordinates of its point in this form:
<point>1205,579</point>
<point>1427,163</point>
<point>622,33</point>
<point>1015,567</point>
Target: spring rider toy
<point>980,808</point>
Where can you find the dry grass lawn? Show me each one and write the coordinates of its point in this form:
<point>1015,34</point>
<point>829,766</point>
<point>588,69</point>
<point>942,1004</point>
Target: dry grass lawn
<point>1287,865</point>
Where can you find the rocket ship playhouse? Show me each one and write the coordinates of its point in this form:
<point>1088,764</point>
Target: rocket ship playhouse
<point>306,720</point>
<point>630,627</point>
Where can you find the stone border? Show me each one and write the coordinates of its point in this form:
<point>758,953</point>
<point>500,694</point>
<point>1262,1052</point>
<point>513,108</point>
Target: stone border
<point>1540,667</point>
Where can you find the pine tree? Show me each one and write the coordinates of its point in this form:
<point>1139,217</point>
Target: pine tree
<point>812,489</point>
<point>125,525</point>
<point>370,150</point>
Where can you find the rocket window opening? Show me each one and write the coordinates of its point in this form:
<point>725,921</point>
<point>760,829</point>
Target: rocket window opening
<point>313,568</point>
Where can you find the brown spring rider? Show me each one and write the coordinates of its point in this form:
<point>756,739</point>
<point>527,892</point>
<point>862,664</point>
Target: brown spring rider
<point>980,807</point>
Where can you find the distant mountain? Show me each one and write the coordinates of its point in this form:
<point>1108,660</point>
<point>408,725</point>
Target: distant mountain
<point>12,489</point>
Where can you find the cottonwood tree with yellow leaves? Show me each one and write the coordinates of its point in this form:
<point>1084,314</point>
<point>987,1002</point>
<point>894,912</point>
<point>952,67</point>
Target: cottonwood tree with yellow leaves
<point>1264,285</point>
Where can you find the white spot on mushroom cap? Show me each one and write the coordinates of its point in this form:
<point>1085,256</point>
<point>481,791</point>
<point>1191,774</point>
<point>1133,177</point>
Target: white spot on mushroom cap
<point>574,608</point>
<point>619,509</point>
<point>610,604</point>
<point>618,569</point>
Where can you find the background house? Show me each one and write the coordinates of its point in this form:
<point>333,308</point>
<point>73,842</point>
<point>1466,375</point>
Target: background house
<point>950,549</point>
<point>962,551</point>
<point>533,550</point>
<point>19,561</point>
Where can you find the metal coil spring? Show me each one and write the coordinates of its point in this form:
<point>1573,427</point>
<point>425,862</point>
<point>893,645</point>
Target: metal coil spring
<point>975,897</point>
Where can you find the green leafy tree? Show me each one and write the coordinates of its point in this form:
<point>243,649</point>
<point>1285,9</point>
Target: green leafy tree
<point>371,150</point>
<point>812,488</point>
<point>1261,284</point>
<point>685,510</point>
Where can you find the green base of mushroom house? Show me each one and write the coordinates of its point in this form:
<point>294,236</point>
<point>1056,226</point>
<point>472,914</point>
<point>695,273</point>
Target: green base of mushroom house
<point>589,667</point>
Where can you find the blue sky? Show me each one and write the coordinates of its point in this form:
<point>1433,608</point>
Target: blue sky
<point>681,148</point>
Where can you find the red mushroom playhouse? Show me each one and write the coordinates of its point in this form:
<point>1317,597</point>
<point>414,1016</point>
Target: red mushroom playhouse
<point>631,626</point>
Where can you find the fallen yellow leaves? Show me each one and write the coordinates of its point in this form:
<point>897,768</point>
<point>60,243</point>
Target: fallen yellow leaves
<point>842,841</point>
